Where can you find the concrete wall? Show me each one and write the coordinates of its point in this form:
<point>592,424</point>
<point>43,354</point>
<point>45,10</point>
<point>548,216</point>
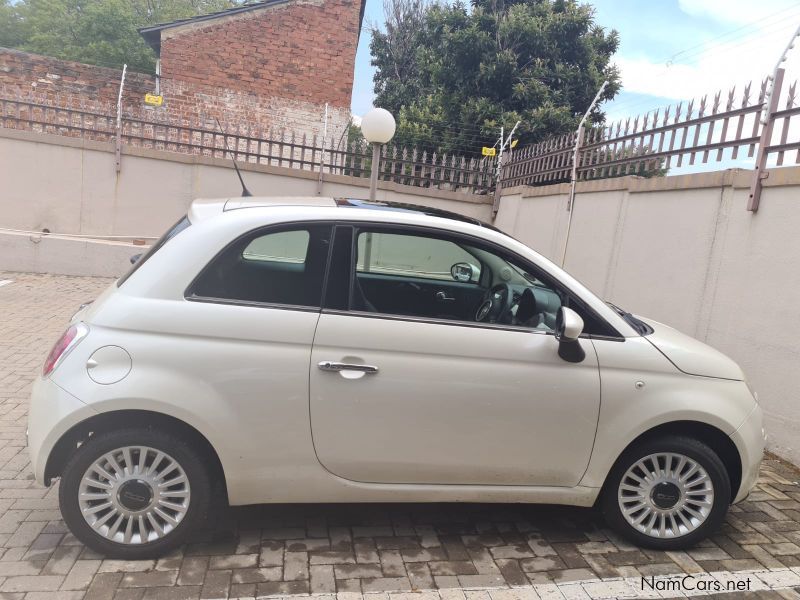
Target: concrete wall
<point>70,186</point>
<point>684,251</point>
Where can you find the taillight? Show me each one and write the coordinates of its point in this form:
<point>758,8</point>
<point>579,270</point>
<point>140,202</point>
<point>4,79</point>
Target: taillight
<point>68,340</point>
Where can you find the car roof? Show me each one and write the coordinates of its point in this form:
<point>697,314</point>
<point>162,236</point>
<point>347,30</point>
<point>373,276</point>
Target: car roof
<point>204,208</point>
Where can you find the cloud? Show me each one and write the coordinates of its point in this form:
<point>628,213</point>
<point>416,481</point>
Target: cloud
<point>733,11</point>
<point>706,69</point>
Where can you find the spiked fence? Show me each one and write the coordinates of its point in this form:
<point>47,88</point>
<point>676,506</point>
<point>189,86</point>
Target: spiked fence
<point>251,144</point>
<point>653,143</point>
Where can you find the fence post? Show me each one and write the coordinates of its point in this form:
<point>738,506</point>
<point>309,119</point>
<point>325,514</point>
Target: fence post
<point>768,122</point>
<point>498,185</point>
<point>118,141</point>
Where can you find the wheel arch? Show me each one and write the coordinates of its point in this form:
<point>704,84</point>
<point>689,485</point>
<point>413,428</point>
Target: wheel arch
<point>68,443</point>
<point>715,438</point>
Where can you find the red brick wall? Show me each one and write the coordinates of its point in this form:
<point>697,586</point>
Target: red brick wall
<point>66,83</point>
<point>303,51</point>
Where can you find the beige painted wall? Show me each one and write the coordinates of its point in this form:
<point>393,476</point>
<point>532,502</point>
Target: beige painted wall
<point>684,251</point>
<point>70,186</point>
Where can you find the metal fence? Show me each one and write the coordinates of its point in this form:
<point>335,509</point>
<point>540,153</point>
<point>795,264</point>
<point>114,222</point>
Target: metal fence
<point>652,144</point>
<point>249,144</point>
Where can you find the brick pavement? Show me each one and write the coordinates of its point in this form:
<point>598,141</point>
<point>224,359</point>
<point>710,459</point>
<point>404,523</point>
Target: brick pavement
<point>383,551</point>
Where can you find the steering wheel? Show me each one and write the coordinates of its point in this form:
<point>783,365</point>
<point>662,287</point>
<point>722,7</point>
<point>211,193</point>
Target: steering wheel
<point>496,304</point>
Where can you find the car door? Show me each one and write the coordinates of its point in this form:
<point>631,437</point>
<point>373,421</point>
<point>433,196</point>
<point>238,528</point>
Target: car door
<point>410,398</point>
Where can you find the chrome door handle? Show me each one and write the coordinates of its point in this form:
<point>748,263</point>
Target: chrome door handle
<point>328,365</point>
<point>443,297</point>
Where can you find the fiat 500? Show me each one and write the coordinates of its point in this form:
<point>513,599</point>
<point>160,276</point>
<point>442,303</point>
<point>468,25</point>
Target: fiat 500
<point>321,350</point>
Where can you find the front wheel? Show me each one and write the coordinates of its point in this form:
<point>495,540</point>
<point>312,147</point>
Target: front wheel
<point>134,493</point>
<point>667,493</point>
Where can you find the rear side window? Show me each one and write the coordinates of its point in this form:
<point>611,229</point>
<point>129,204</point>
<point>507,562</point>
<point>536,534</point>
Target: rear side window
<point>171,233</point>
<point>285,267</point>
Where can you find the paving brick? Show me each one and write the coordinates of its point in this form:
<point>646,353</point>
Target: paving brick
<point>32,583</point>
<point>103,586</point>
<point>216,585</point>
<point>295,566</point>
<point>282,587</point>
<point>384,584</point>
<point>257,575</point>
<point>323,579</point>
<point>235,561</point>
<point>190,592</point>
<point>80,575</point>
<point>193,570</point>
<point>149,579</point>
<point>61,560</point>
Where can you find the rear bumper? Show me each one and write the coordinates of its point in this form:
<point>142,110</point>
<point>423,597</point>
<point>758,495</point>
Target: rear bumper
<point>750,440</point>
<point>52,413</point>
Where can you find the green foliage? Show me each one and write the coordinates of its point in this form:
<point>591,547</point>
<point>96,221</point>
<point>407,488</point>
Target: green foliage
<point>453,74</point>
<point>98,32</point>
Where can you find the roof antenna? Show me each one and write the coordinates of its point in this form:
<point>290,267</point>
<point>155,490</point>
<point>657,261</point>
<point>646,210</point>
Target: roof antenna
<point>245,192</point>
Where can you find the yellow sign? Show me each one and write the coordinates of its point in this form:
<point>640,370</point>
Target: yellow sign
<point>514,143</point>
<point>488,151</point>
<point>153,100</point>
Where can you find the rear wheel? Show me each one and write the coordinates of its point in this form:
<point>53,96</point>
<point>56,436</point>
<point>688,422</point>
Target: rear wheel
<point>133,493</point>
<point>667,493</point>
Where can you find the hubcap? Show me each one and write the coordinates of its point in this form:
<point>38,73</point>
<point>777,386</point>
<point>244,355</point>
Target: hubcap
<point>134,495</point>
<point>666,495</point>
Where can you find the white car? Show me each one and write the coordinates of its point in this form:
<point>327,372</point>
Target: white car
<point>321,350</point>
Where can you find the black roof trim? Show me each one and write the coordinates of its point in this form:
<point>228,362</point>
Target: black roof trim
<point>152,33</point>
<point>412,208</point>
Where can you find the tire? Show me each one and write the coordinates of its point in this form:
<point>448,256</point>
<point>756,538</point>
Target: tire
<point>685,512</point>
<point>160,517</point>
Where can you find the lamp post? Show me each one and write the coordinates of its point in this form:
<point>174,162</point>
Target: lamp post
<point>377,127</point>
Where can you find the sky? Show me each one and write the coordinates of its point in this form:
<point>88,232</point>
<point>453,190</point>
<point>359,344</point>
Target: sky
<point>670,50</point>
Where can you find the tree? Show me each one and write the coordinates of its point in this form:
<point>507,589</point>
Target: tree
<point>99,32</point>
<point>453,74</point>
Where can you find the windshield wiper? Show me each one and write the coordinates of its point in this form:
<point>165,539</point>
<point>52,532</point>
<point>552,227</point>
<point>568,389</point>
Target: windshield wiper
<point>640,326</point>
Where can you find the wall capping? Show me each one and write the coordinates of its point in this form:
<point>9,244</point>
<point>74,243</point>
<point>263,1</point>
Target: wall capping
<point>735,178</point>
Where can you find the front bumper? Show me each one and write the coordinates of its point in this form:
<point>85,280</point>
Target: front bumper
<point>52,413</point>
<point>750,440</point>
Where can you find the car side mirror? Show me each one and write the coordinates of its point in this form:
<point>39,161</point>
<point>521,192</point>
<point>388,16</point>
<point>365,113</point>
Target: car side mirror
<point>461,272</point>
<point>135,258</point>
<point>569,327</point>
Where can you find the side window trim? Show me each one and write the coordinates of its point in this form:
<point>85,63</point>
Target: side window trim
<point>358,226</point>
<point>190,296</point>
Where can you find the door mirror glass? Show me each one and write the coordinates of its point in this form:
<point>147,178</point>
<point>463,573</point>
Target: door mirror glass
<point>461,272</point>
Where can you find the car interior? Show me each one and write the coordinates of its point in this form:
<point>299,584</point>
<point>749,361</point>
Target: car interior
<point>481,287</point>
<point>396,273</point>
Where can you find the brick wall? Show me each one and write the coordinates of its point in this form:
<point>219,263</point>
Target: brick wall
<point>65,83</point>
<point>297,50</point>
<point>270,68</point>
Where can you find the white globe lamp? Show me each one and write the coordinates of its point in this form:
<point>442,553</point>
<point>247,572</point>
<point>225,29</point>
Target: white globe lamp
<point>377,127</point>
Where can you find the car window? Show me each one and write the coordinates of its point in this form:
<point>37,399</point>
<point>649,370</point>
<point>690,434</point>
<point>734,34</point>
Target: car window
<point>413,256</point>
<point>171,233</point>
<point>409,274</point>
<point>284,267</point>
<point>284,246</point>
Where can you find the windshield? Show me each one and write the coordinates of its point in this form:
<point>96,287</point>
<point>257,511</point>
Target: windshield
<point>640,326</point>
